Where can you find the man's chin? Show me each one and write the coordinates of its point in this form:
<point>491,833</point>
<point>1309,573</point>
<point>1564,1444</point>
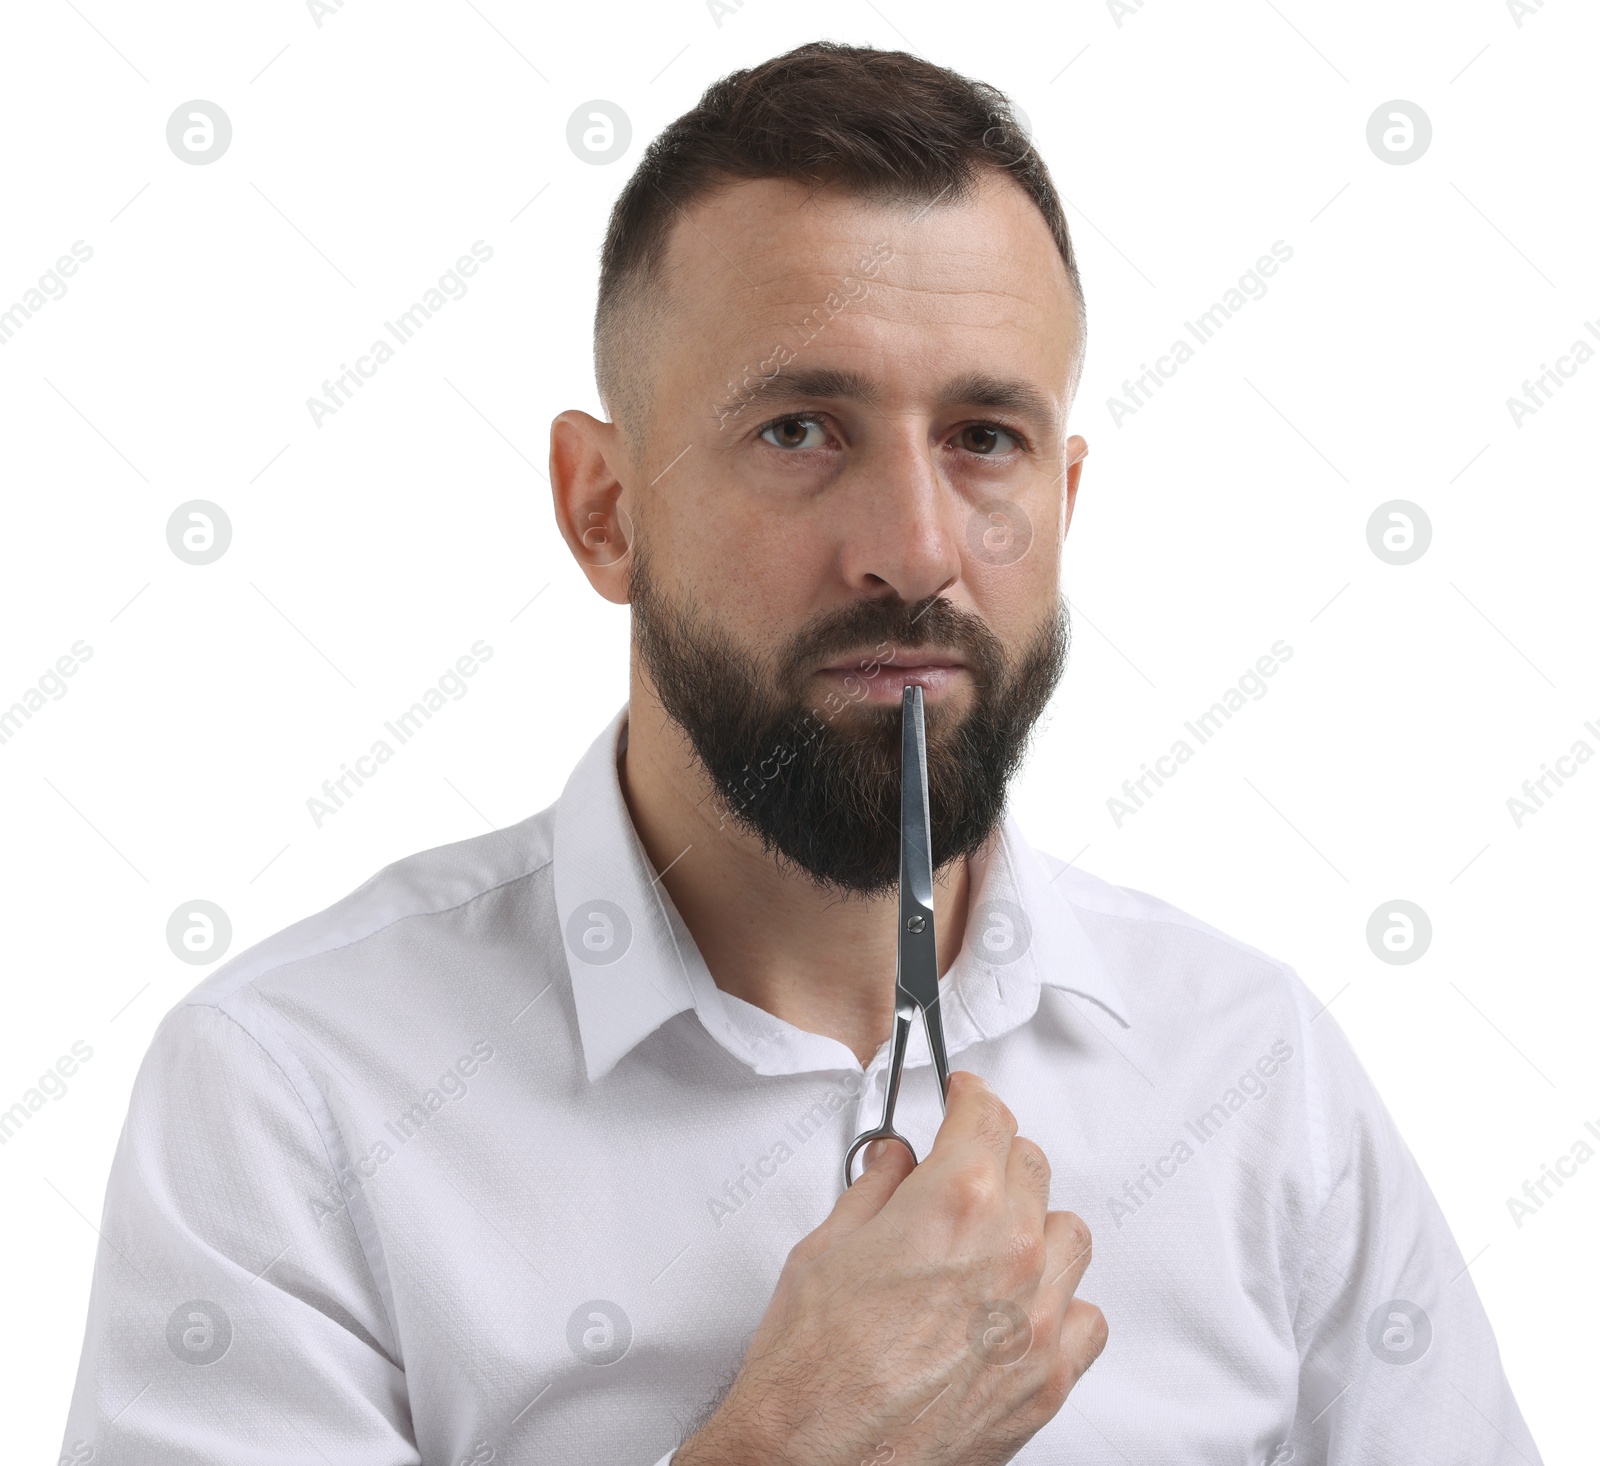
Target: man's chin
<point>828,808</point>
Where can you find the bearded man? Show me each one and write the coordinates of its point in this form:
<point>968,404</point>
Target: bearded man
<point>529,1149</point>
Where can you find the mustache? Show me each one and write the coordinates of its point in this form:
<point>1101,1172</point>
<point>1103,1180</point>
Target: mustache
<point>890,622</point>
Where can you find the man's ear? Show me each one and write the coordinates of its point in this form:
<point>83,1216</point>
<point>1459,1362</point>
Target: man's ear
<point>1077,451</point>
<point>584,456</point>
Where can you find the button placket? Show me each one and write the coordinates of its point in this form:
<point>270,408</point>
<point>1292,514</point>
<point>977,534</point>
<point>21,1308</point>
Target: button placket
<point>874,1080</point>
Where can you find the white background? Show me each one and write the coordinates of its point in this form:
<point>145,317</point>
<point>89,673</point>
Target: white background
<point>371,151</point>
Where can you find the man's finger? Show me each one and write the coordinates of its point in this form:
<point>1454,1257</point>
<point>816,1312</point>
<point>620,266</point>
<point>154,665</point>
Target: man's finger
<point>1083,1335</point>
<point>887,1165</point>
<point>1068,1249</point>
<point>1028,1179</point>
<point>974,1115</point>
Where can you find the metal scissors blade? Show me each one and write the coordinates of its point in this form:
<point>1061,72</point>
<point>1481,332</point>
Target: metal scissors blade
<point>917,963</point>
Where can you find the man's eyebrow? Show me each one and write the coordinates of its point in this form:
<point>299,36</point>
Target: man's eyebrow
<point>1009,394</point>
<point>975,389</point>
<point>810,382</point>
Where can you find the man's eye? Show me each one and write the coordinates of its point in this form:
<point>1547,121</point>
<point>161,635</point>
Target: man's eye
<point>795,432</point>
<point>985,439</point>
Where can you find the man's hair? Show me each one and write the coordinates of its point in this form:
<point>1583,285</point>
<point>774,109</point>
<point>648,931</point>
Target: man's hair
<point>884,125</point>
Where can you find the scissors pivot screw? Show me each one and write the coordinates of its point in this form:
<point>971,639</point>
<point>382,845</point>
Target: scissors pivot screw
<point>915,924</point>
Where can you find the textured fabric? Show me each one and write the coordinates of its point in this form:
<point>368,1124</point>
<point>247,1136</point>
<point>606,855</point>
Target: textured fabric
<point>480,1165</point>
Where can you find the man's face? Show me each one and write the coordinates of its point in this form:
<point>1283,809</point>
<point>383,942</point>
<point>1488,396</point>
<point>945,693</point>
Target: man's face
<point>855,475</point>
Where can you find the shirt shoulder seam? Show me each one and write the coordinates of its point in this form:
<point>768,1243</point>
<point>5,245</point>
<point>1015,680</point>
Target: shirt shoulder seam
<point>1188,923</point>
<point>1316,1126</point>
<point>328,1153</point>
<point>1170,915</point>
<point>205,996</point>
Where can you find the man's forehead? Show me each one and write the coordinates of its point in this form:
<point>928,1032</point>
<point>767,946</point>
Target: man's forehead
<point>774,242</point>
<point>771,258</point>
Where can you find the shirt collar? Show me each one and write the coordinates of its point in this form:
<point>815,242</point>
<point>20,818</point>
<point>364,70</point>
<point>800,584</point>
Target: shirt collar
<point>634,965</point>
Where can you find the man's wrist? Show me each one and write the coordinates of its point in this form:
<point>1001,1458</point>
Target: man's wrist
<point>718,1443</point>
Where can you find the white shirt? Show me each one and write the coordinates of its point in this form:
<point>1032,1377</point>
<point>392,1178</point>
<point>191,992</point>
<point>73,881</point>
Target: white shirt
<point>480,1164</point>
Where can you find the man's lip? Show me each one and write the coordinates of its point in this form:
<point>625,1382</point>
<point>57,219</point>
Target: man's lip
<point>908,661</point>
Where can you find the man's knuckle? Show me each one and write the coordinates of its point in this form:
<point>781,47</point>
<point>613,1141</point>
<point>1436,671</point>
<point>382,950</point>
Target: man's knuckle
<point>996,1114</point>
<point>1099,1332</point>
<point>1062,1375</point>
<point>973,1189</point>
<point>1033,1161</point>
<point>801,1251</point>
<point>1027,1253</point>
<point>1079,1240</point>
<point>1084,1338</point>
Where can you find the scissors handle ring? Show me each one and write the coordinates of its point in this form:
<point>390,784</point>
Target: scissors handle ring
<point>883,1132</point>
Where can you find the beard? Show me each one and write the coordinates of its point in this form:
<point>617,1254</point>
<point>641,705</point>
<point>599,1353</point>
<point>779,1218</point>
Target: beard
<point>816,781</point>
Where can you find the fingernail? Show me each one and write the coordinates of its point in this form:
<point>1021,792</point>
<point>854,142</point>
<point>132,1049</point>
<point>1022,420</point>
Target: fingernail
<point>874,1151</point>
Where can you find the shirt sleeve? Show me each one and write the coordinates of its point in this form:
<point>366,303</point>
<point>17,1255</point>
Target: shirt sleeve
<point>233,1315</point>
<point>1398,1361</point>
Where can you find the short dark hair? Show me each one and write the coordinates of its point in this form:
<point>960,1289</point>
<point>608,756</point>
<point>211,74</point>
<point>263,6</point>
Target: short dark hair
<point>882,124</point>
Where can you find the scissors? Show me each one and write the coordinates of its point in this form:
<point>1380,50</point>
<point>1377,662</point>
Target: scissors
<point>916,980</point>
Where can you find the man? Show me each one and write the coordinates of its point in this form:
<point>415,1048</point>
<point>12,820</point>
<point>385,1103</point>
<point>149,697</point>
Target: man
<point>529,1149</point>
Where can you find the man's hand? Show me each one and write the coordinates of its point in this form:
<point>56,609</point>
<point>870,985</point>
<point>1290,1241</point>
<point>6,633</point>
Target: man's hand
<point>931,1315</point>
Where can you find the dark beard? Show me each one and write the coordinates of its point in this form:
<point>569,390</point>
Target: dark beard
<point>822,793</point>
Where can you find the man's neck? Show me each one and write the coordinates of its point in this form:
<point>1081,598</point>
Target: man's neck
<point>770,936</point>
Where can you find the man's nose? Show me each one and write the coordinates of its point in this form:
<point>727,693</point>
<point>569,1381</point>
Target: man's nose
<point>901,529</point>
